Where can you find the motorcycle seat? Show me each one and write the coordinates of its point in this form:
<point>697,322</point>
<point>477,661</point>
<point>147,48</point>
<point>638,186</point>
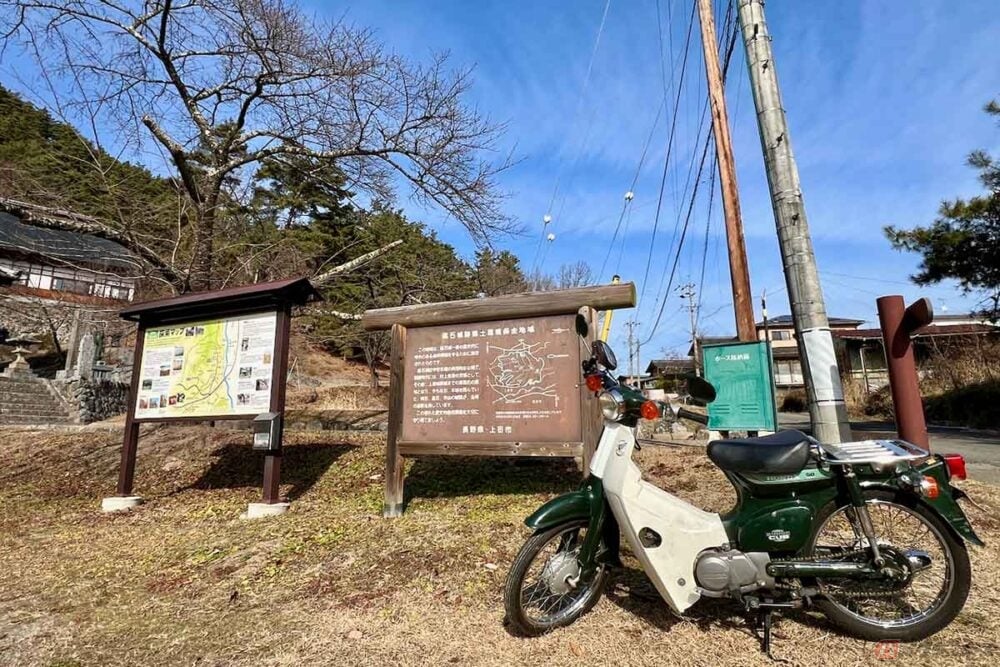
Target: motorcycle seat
<point>784,453</point>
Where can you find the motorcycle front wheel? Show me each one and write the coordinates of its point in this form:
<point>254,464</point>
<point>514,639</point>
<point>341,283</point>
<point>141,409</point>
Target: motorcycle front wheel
<point>545,588</point>
<point>934,590</point>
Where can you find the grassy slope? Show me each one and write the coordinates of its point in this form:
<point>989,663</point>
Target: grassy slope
<point>184,581</point>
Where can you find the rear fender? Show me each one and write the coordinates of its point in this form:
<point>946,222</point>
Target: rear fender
<point>945,505</point>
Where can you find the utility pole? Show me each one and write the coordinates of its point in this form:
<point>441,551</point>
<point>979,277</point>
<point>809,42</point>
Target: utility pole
<point>688,292</point>
<point>739,273</point>
<point>812,329</point>
<point>633,345</point>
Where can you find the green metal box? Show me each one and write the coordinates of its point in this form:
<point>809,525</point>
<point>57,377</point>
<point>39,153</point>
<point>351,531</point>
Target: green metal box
<point>741,373</point>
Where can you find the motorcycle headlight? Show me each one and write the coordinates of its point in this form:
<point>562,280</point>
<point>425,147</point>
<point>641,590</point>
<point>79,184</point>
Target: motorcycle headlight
<point>612,404</point>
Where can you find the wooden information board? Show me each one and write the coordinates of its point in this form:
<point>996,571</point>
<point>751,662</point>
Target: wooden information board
<point>497,376</point>
<point>514,380</point>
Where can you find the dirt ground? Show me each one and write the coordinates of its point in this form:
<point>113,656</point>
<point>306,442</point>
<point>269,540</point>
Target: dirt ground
<point>184,581</point>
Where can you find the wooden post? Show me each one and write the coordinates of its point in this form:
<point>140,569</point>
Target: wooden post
<point>739,273</point>
<point>279,373</point>
<point>130,443</point>
<point>394,467</point>
<point>589,412</point>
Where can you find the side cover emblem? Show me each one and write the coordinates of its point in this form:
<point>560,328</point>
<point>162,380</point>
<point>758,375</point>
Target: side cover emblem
<point>620,449</point>
<point>778,535</point>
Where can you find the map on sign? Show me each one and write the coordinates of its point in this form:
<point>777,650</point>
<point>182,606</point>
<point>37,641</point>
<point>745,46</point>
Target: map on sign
<point>207,368</point>
<point>499,381</point>
<point>521,371</point>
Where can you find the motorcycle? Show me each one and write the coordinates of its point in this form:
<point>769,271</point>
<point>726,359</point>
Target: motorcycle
<point>870,532</point>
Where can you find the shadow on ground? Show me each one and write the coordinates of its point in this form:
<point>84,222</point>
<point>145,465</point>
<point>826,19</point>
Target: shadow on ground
<point>236,465</point>
<point>450,476</point>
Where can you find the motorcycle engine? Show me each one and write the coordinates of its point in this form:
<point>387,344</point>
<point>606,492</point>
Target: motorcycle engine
<point>718,570</point>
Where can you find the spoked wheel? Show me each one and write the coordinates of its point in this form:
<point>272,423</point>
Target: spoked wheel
<point>545,587</point>
<point>932,569</point>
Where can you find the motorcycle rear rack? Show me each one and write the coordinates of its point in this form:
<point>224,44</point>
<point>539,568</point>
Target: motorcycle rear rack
<point>871,451</point>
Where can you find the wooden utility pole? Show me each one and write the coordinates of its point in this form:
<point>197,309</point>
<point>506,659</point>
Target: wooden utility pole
<point>738,271</point>
<point>812,328</point>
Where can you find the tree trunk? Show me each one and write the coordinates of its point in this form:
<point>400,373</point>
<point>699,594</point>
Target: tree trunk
<point>204,248</point>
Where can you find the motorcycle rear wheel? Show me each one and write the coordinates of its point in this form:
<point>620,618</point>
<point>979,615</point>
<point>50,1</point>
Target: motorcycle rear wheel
<point>544,590</point>
<point>930,599</point>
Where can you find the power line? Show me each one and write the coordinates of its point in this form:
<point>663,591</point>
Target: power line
<point>708,226</point>
<point>579,110</point>
<point>670,144</point>
<point>687,221</point>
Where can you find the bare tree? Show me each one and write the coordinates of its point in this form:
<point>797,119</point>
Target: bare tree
<point>578,274</point>
<point>222,85</point>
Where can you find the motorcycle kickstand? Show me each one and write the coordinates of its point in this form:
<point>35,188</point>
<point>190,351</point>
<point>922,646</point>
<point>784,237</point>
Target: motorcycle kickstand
<point>762,619</point>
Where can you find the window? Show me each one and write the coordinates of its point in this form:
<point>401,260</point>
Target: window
<point>74,286</point>
<point>781,334</point>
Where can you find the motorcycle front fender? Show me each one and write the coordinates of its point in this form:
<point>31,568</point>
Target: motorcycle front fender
<point>585,504</point>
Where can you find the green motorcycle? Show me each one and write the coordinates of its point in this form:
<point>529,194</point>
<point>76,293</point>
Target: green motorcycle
<point>869,532</point>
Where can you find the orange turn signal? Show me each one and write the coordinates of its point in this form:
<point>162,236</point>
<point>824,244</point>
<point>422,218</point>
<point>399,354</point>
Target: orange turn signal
<point>929,488</point>
<point>650,410</point>
<point>594,383</point>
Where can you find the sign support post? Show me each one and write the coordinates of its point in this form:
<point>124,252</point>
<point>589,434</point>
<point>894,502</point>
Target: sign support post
<point>394,464</point>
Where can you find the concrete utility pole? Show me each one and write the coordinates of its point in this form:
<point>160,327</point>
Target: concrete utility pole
<point>688,292</point>
<point>632,347</point>
<point>812,329</point>
<point>738,272</point>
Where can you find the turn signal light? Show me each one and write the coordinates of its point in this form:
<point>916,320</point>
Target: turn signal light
<point>929,488</point>
<point>956,465</point>
<point>594,383</point>
<point>650,410</point>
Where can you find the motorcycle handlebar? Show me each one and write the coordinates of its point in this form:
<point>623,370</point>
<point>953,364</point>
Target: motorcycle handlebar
<point>693,416</point>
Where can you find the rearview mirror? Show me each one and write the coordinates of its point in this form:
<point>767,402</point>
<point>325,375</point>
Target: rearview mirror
<point>701,389</point>
<point>604,355</point>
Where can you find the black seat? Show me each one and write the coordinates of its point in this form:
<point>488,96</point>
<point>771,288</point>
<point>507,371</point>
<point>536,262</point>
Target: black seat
<point>783,453</point>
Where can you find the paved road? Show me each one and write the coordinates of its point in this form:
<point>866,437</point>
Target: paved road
<point>980,449</point>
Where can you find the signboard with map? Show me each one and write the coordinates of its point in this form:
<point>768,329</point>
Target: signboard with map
<point>509,380</point>
<point>207,368</point>
<point>492,376</point>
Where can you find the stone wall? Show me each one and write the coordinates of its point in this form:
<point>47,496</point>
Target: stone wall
<point>96,399</point>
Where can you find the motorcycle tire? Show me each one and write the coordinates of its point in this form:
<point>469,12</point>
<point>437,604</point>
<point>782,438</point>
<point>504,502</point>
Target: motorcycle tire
<point>945,610</point>
<point>518,620</point>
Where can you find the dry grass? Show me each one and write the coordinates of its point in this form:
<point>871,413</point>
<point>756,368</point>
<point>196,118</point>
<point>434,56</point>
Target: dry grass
<point>183,581</point>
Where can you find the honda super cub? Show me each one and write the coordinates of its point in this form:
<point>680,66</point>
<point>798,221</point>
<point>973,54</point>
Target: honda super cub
<point>870,532</point>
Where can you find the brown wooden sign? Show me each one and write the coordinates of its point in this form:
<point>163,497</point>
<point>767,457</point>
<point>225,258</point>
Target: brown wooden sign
<point>514,380</point>
<point>498,376</point>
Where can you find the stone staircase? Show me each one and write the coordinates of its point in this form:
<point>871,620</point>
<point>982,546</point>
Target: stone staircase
<point>26,399</point>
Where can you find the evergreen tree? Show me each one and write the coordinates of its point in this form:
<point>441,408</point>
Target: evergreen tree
<point>962,243</point>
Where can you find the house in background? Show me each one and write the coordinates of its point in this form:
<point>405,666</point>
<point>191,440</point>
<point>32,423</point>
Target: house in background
<point>60,287</point>
<point>862,351</point>
<point>60,265</point>
<point>669,373</point>
<point>784,348</point>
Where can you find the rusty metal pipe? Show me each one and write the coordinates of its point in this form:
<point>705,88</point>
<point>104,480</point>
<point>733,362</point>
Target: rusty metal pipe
<point>898,322</point>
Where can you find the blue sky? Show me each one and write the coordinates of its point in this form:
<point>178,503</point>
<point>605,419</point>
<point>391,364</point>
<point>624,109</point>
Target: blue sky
<point>884,102</point>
